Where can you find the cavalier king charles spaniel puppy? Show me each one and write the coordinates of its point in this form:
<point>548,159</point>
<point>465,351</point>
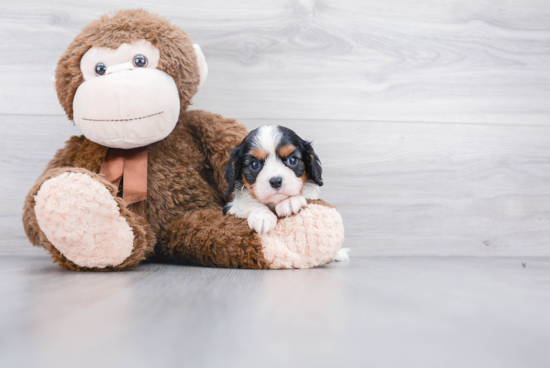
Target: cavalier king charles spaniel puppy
<point>271,173</point>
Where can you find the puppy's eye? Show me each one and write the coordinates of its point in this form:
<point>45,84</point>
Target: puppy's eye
<point>100,69</point>
<point>140,61</point>
<point>255,165</point>
<point>291,161</point>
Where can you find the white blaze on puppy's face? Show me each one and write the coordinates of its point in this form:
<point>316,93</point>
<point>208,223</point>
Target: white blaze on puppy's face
<point>272,171</point>
<point>125,101</point>
<point>268,139</point>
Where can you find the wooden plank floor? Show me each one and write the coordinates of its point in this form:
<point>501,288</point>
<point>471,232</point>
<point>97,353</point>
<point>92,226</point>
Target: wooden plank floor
<point>371,312</point>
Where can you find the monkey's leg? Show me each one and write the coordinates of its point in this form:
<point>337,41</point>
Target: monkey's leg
<point>75,215</point>
<point>207,238</point>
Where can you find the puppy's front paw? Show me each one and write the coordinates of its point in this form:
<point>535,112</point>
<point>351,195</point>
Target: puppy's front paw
<point>262,221</point>
<point>290,206</point>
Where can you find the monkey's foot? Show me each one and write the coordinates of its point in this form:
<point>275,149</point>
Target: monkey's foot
<point>309,239</point>
<point>83,221</point>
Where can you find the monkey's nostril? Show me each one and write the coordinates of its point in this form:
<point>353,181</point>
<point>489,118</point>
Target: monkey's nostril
<point>276,182</point>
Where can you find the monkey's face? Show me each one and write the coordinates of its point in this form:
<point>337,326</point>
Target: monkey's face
<point>125,101</point>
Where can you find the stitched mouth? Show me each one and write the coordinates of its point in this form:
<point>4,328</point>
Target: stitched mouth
<point>143,117</point>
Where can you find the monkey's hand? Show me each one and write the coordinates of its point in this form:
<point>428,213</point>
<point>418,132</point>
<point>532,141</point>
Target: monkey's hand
<point>290,206</point>
<point>262,220</point>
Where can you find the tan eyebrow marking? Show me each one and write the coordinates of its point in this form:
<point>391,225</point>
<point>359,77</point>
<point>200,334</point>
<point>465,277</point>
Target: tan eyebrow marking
<point>286,150</point>
<point>259,153</point>
<point>143,117</point>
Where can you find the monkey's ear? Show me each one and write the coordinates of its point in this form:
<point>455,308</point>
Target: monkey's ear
<point>201,60</point>
<point>313,164</point>
<point>233,169</point>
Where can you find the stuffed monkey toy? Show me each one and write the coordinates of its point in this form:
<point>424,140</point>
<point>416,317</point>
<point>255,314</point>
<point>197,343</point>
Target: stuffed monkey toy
<point>146,181</point>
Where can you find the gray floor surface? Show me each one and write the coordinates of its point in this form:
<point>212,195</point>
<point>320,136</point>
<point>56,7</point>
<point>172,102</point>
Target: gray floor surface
<point>370,312</point>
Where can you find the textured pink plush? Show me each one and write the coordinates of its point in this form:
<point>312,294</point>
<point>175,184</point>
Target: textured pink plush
<point>288,246</point>
<point>82,220</point>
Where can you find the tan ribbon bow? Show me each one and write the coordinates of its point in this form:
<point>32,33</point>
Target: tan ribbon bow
<point>130,164</point>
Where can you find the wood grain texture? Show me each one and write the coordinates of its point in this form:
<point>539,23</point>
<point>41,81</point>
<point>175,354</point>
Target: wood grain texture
<point>431,118</point>
<point>402,188</point>
<point>377,312</point>
<point>443,61</point>
<point>436,189</point>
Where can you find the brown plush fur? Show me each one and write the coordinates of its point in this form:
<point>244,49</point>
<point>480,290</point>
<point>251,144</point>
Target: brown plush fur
<point>182,218</point>
<point>195,238</point>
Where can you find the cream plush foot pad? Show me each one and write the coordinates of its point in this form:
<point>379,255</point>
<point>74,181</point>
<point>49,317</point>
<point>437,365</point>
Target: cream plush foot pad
<point>80,217</point>
<point>309,239</point>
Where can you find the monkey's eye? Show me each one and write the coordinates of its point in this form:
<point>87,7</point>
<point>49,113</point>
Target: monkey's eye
<point>255,165</point>
<point>140,61</point>
<point>100,69</point>
<point>291,161</point>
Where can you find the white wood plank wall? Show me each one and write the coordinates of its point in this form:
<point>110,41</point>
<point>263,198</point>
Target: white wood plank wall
<point>432,118</point>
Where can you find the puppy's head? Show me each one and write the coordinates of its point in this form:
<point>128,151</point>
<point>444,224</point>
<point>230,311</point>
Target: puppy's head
<point>273,164</point>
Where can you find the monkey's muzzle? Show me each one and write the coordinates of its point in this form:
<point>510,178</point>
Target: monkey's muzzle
<point>128,107</point>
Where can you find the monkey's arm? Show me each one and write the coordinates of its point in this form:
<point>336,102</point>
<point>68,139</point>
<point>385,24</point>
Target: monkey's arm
<point>208,238</point>
<point>218,136</point>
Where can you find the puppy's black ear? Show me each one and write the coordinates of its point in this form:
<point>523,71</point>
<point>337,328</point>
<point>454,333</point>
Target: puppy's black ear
<point>233,169</point>
<point>313,164</point>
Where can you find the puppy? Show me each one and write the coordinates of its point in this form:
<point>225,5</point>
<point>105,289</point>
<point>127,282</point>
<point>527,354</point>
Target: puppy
<point>271,172</point>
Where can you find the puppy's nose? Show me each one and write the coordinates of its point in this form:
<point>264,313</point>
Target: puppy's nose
<point>276,182</point>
